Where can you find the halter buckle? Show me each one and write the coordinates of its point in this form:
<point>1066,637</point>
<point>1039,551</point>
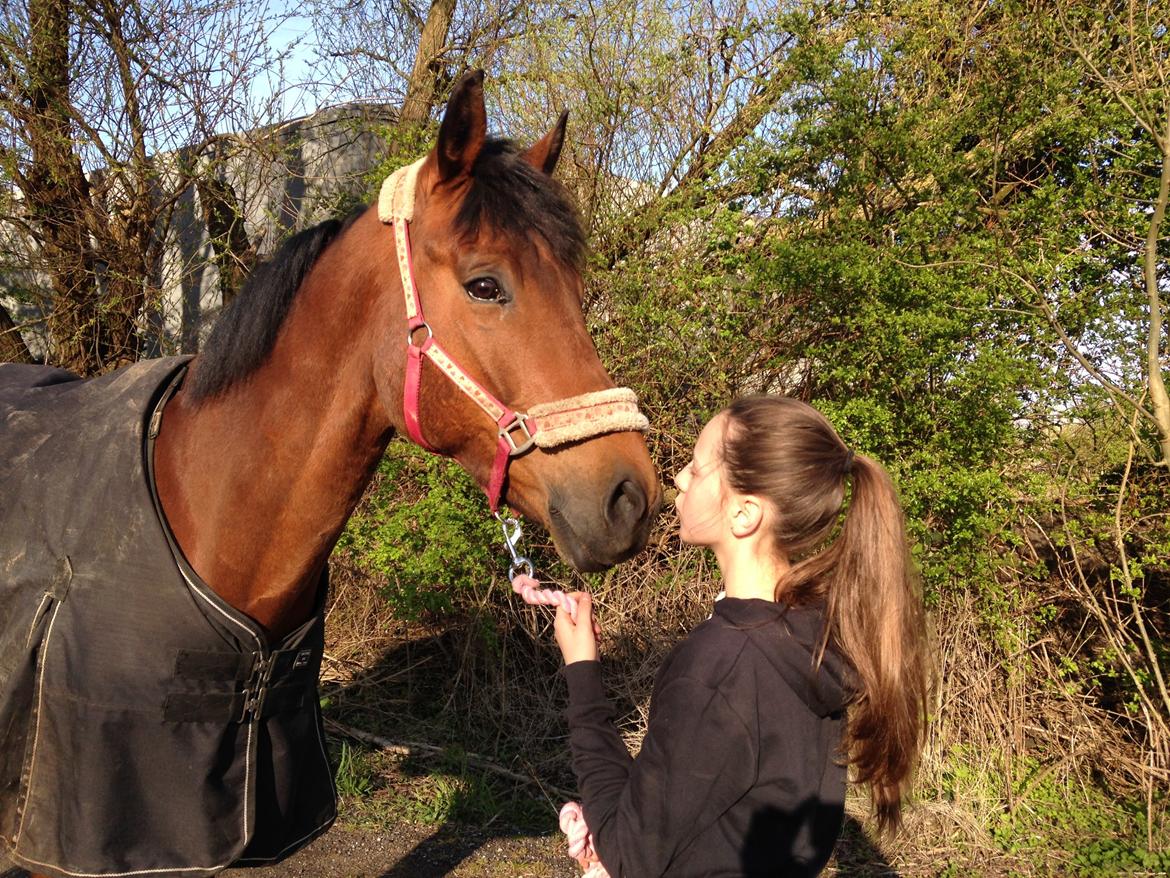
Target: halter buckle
<point>519,422</point>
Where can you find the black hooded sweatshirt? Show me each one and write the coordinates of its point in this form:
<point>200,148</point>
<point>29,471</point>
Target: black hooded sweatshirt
<point>740,772</point>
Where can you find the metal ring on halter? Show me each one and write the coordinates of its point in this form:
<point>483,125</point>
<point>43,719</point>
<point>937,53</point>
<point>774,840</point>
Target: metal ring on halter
<point>410,334</point>
<point>529,570</point>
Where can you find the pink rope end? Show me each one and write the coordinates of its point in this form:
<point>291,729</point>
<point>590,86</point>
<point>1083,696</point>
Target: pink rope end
<point>529,589</point>
<point>572,820</point>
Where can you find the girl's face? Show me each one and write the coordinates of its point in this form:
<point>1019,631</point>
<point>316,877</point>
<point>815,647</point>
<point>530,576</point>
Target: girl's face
<point>701,489</point>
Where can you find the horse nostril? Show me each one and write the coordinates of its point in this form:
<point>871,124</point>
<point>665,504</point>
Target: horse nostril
<point>627,504</point>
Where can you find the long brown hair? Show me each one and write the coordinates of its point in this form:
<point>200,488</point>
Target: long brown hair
<point>787,452</point>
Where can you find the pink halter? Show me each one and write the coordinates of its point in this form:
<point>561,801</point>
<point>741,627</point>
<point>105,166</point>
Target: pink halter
<point>546,425</point>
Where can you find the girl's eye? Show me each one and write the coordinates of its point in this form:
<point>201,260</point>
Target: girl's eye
<point>485,289</point>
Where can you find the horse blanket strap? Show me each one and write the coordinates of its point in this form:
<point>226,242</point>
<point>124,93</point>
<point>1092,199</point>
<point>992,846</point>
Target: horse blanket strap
<point>146,726</point>
<point>546,425</point>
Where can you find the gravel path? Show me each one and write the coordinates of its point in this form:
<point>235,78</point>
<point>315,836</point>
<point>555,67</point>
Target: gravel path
<point>413,851</point>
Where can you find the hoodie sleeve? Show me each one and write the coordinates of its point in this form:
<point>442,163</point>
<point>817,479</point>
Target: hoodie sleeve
<point>697,759</point>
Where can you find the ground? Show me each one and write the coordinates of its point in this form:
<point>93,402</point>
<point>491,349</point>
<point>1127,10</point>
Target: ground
<point>412,850</point>
<point>450,850</point>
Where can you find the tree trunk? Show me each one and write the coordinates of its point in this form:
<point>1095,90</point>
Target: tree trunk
<point>1159,399</point>
<point>57,192</point>
<point>12,346</point>
<point>234,254</point>
<point>422,89</point>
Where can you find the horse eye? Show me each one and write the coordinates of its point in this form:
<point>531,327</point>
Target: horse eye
<point>485,289</point>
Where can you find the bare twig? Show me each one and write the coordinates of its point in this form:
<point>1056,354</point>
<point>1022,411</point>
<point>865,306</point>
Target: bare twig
<point>414,748</point>
<point>1158,397</point>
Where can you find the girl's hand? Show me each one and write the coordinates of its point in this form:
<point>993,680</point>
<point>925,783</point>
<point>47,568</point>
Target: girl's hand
<point>577,640</point>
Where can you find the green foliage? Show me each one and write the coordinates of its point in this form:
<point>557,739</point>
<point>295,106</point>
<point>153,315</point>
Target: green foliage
<point>355,775</point>
<point>926,189</point>
<point>1094,832</point>
<point>379,790</point>
<point>469,797</point>
<point>425,532</point>
<point>449,789</point>
<point>445,797</point>
<point>402,147</point>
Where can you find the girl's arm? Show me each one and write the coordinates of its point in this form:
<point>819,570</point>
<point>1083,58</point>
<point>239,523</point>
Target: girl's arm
<point>698,757</point>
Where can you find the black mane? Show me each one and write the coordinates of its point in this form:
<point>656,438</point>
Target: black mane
<point>506,192</point>
<point>246,330</point>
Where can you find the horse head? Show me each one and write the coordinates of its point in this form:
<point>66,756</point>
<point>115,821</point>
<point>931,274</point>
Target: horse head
<point>495,254</point>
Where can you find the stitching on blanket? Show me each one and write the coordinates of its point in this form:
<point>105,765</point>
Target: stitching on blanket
<point>248,755</point>
<point>29,862</point>
<point>32,768</point>
<point>207,599</point>
<point>48,596</point>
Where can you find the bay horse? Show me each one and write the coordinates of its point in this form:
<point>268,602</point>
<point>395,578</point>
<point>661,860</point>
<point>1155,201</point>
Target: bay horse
<point>256,452</point>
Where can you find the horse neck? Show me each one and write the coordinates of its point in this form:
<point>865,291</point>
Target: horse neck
<point>257,484</point>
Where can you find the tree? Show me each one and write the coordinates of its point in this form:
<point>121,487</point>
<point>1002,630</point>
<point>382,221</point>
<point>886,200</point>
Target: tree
<point>105,113</point>
<point>409,53</point>
<point>1125,50</point>
<point>662,96</point>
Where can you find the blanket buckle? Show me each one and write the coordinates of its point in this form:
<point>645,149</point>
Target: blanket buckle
<point>256,689</point>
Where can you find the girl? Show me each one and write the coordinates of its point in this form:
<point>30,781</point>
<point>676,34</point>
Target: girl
<point>813,664</point>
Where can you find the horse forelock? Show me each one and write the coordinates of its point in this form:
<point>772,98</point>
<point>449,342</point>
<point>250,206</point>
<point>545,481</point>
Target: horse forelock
<point>508,194</point>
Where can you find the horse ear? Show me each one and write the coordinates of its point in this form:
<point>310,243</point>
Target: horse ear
<point>464,128</point>
<point>543,154</point>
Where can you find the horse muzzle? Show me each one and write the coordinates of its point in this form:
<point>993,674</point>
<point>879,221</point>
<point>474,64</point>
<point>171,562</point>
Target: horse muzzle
<point>594,530</point>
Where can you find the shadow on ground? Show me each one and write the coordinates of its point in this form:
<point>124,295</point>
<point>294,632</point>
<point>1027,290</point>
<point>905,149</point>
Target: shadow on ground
<point>859,856</point>
<point>440,854</point>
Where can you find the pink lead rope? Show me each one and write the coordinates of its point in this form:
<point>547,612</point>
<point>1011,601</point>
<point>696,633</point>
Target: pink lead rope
<point>581,849</point>
<point>529,589</point>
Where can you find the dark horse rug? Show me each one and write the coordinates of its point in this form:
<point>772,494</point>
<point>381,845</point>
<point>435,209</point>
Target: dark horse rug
<point>146,727</point>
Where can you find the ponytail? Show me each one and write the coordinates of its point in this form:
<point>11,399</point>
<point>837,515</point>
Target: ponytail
<point>875,619</point>
<point>788,452</point>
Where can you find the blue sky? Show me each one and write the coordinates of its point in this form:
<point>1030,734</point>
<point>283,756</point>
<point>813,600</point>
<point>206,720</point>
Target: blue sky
<point>297,32</point>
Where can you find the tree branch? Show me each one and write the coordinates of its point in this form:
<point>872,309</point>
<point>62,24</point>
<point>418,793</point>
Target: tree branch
<point>1158,397</point>
<point>639,227</point>
<point>1151,653</point>
<point>1107,384</point>
<point>1110,84</point>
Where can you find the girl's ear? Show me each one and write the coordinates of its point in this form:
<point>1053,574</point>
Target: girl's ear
<point>746,514</point>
